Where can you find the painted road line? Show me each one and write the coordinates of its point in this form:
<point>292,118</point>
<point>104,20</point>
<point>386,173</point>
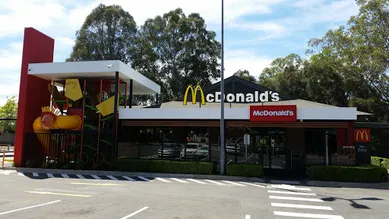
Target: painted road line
<point>95,176</point>
<point>291,193</point>
<point>112,177</point>
<point>57,193</point>
<point>212,181</point>
<point>247,217</point>
<point>253,184</point>
<point>65,176</point>
<point>296,198</point>
<point>128,178</point>
<point>179,180</point>
<point>306,215</point>
<point>26,208</point>
<point>196,181</point>
<point>285,205</point>
<point>35,174</point>
<point>289,187</point>
<point>233,183</point>
<point>163,180</point>
<point>135,213</point>
<point>143,178</point>
<point>21,174</point>
<point>50,175</point>
<point>96,184</point>
<point>80,176</point>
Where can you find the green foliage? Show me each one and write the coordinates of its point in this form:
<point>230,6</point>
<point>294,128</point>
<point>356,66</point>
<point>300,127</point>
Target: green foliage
<point>245,74</point>
<point>348,173</point>
<point>8,111</point>
<point>163,166</point>
<point>177,50</point>
<point>247,170</point>
<point>108,33</point>
<point>376,161</point>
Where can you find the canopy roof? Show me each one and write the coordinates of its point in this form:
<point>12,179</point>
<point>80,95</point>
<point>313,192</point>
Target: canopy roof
<point>94,69</point>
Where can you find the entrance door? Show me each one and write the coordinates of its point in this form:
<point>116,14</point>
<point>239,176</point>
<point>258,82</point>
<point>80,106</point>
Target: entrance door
<point>273,144</point>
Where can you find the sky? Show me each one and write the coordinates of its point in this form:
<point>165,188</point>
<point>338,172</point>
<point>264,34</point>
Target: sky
<point>256,31</point>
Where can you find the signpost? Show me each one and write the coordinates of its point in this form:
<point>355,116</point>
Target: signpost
<point>246,141</point>
<point>327,147</point>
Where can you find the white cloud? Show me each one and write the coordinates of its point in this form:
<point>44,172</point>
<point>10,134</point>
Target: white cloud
<point>245,59</point>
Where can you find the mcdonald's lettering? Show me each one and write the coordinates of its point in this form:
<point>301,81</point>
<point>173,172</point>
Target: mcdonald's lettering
<point>362,135</point>
<point>194,94</point>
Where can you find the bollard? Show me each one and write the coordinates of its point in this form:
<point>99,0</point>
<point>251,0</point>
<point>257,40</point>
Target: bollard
<point>2,162</point>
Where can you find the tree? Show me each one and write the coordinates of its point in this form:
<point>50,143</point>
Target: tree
<point>176,50</point>
<point>360,52</point>
<point>245,74</point>
<point>8,112</point>
<point>108,33</point>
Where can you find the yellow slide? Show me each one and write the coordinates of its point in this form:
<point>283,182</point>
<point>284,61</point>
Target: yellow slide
<point>49,121</point>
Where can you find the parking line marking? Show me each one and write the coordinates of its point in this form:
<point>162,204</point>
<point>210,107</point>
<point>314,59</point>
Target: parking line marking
<point>289,187</point>
<point>25,208</point>
<point>65,176</point>
<point>128,178</point>
<point>306,215</point>
<point>96,184</point>
<point>50,175</point>
<point>163,180</point>
<point>21,174</point>
<point>212,181</point>
<point>196,181</point>
<point>291,193</point>
<point>57,193</point>
<point>80,176</point>
<point>35,174</point>
<point>112,177</point>
<point>296,198</point>
<point>96,177</point>
<point>285,205</point>
<point>233,183</point>
<point>252,184</point>
<point>135,213</point>
<point>247,217</point>
<point>143,178</point>
<point>179,180</point>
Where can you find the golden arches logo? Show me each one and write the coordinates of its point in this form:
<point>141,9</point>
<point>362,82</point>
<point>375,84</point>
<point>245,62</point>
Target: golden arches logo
<point>362,135</point>
<point>194,94</point>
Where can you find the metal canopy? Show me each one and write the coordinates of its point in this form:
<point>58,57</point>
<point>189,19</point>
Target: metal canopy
<point>94,69</point>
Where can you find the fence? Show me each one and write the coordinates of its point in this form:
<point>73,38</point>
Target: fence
<point>63,148</point>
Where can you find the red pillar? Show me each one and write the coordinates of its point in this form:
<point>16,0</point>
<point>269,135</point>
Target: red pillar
<point>350,133</point>
<point>340,139</point>
<point>33,91</point>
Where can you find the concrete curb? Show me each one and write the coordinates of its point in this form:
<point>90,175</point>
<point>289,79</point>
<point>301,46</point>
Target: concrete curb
<point>120,173</point>
<point>383,185</point>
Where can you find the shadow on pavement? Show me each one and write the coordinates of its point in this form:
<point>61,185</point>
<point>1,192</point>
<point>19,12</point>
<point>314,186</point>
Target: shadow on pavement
<point>353,201</point>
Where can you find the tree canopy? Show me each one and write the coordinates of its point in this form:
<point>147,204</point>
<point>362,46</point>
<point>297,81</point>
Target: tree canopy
<point>245,74</point>
<point>8,112</point>
<point>176,51</point>
<point>108,33</point>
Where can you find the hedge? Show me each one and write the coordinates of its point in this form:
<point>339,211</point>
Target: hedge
<point>163,166</point>
<point>247,170</point>
<point>376,161</point>
<point>348,173</point>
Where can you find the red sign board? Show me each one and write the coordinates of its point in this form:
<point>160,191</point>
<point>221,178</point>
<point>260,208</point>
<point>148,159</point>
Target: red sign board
<point>362,135</point>
<point>284,113</point>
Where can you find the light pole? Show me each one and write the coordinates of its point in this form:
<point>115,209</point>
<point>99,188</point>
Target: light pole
<point>222,146</point>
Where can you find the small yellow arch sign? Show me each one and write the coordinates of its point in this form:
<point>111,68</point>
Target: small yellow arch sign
<point>194,90</point>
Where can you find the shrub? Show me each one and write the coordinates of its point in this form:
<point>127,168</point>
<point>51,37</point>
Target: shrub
<point>248,170</point>
<point>348,173</point>
<point>163,166</point>
<point>376,161</point>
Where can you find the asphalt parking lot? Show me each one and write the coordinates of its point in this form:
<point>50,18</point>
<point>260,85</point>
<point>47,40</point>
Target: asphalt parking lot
<point>45,195</point>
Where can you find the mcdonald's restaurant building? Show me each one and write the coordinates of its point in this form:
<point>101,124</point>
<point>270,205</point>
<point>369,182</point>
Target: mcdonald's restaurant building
<point>285,133</point>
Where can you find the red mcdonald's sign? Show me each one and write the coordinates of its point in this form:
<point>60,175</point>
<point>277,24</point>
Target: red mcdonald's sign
<point>362,135</point>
